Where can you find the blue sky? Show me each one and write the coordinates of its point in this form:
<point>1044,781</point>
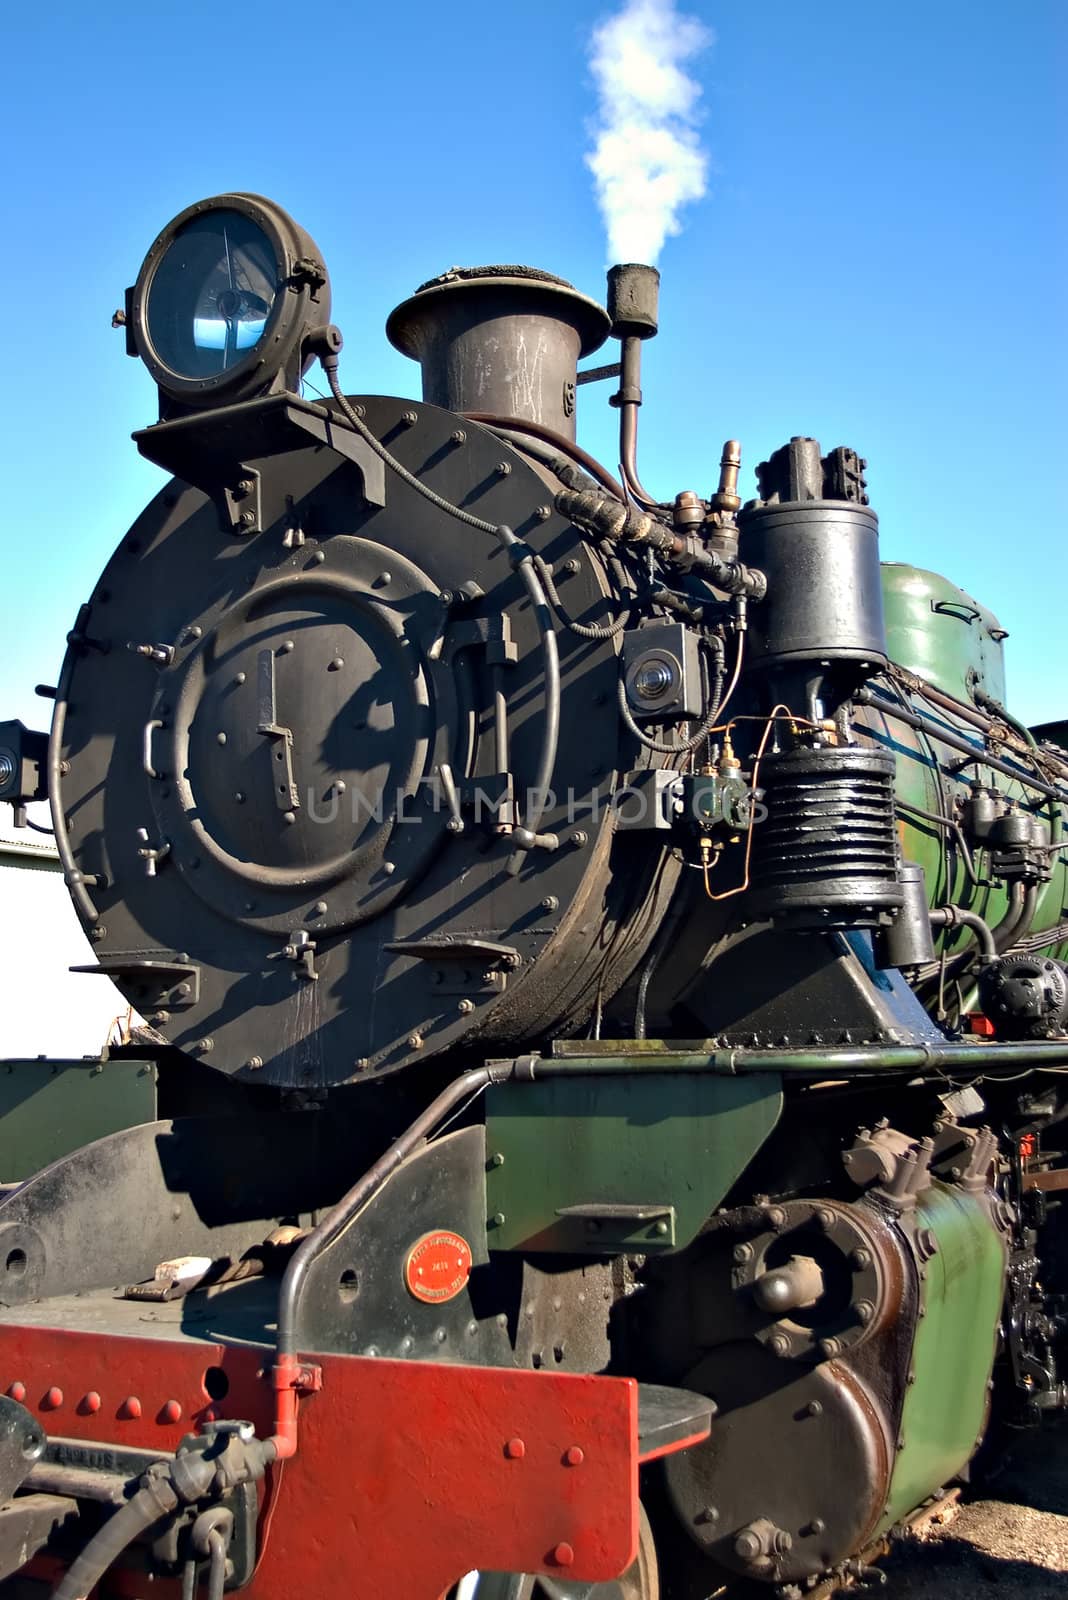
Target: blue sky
<point>880,259</point>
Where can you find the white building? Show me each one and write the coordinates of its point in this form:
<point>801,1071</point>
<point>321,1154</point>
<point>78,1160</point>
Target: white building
<point>45,1009</point>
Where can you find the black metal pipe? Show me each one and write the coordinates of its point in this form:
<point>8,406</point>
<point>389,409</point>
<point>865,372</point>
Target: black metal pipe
<point>71,876</point>
<point>628,400</point>
<point>967,860</point>
<point>947,1057</point>
<point>567,447</point>
<point>960,917</point>
<point>527,836</point>
<point>956,741</point>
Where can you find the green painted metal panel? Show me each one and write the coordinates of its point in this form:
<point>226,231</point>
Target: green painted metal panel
<point>946,1405</point>
<point>49,1108</point>
<point>671,1144</point>
<point>939,632</point>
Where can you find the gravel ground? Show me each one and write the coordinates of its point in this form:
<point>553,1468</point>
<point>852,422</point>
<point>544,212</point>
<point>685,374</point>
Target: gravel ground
<point>1008,1538</point>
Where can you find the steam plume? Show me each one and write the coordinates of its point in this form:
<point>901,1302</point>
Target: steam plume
<point>647,160</point>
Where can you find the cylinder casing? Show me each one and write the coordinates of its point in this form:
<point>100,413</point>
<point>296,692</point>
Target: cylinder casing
<point>824,601</point>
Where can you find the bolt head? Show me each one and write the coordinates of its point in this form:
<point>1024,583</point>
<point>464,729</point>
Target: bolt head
<point>747,1546</point>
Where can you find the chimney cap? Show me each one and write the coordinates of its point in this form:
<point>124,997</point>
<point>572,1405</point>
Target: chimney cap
<point>543,292</point>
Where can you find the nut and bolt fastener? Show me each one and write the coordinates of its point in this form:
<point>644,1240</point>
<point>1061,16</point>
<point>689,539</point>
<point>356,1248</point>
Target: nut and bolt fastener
<point>410,418</point>
<point>247,518</point>
<point>743,1252</point>
<point>829,1347</point>
<point>415,1041</point>
<point>504,469</point>
<point>748,1545</point>
<point>860,1259</point>
<point>865,1311</point>
<point>550,903</point>
<point>465,1007</point>
<point>780,1344</point>
<point>458,436</point>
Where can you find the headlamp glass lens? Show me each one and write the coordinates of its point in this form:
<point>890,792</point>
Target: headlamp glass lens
<point>211,294</point>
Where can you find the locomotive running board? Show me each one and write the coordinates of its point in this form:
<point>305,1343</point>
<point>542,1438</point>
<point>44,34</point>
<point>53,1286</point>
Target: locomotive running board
<point>418,1471</point>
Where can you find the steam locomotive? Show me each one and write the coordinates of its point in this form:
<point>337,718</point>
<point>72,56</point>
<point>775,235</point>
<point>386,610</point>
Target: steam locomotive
<point>604,964</point>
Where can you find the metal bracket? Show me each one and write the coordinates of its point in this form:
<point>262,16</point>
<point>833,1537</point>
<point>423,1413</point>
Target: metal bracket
<point>494,633</point>
<point>152,855</point>
<point>169,982</point>
<point>621,1226</point>
<point>464,966</point>
<point>299,949</point>
<point>213,452</point>
<point>241,501</point>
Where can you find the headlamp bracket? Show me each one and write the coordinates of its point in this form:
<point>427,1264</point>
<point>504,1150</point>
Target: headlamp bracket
<point>217,452</point>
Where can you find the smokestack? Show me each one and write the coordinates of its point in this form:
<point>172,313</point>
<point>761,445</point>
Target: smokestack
<point>502,341</point>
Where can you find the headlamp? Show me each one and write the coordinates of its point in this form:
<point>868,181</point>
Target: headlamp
<point>225,301</point>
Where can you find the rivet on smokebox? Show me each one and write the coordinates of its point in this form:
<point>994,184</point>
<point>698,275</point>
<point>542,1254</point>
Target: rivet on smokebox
<point>515,1449</point>
<point>53,1399</point>
<point>171,1412</point>
<point>563,1555</point>
<point>575,1456</point>
<point>130,1408</point>
<point>17,1391</point>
